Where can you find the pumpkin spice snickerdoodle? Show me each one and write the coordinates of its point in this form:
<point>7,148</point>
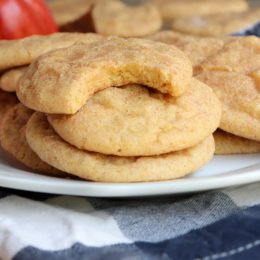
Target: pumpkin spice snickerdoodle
<point>137,121</point>
<point>240,98</point>
<point>103,168</point>
<point>61,81</point>
<point>13,140</point>
<point>22,52</point>
<point>217,25</point>
<point>172,9</point>
<point>116,18</point>
<point>227,143</point>
<point>9,79</point>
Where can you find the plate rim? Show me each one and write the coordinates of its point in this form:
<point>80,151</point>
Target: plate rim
<point>122,190</point>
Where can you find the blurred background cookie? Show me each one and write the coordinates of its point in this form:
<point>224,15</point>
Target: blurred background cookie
<point>171,9</point>
<point>217,25</point>
<point>117,18</point>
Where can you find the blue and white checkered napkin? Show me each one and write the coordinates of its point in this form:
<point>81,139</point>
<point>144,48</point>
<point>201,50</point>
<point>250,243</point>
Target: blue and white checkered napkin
<point>251,30</point>
<point>216,225</point>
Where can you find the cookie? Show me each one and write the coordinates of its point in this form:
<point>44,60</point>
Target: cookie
<point>21,52</point>
<point>67,11</point>
<point>135,121</point>
<point>12,138</point>
<point>231,144</point>
<point>196,48</point>
<point>217,25</point>
<point>240,98</point>
<point>103,168</point>
<point>241,55</point>
<point>178,8</point>
<point>116,18</point>
<point>61,81</point>
<point>7,101</point>
<point>233,74</point>
<point>9,79</point>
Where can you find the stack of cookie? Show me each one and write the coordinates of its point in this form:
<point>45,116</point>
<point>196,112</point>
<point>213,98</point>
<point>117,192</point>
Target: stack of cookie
<point>16,56</point>
<point>231,67</point>
<point>116,110</point>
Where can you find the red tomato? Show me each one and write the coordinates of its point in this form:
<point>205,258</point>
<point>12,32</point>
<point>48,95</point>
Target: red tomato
<point>21,18</point>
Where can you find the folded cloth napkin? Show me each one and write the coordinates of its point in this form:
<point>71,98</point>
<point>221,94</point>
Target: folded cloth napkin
<point>214,225</point>
<point>252,30</point>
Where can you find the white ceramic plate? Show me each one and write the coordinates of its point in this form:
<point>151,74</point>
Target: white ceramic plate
<point>222,171</point>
